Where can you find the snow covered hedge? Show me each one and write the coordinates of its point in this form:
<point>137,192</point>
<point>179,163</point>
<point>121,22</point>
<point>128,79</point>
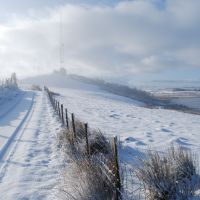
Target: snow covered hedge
<point>8,88</point>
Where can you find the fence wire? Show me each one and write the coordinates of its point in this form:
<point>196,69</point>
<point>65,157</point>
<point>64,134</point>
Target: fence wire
<point>109,166</point>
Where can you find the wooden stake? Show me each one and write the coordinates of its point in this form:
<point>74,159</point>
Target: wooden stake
<point>66,118</point>
<point>53,103</point>
<point>58,108</point>
<point>116,168</point>
<point>73,126</point>
<point>56,105</point>
<point>62,114</point>
<point>87,141</point>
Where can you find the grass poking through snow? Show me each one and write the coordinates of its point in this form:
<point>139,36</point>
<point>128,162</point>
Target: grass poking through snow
<point>171,176</point>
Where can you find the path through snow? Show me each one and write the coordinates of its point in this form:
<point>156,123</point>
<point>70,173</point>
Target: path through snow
<point>27,150</point>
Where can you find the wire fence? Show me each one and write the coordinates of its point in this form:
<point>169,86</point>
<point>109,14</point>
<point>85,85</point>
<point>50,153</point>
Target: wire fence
<point>98,149</point>
<point>123,178</point>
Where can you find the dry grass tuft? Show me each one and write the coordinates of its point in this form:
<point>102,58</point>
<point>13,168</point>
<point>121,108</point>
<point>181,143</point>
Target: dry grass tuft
<point>169,177</point>
<point>89,183</point>
<point>86,178</point>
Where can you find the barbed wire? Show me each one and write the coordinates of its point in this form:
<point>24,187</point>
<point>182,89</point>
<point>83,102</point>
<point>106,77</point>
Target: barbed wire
<point>105,169</point>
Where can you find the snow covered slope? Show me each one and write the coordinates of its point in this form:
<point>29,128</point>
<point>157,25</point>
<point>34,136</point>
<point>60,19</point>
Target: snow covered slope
<point>139,128</point>
<point>28,164</point>
<point>29,167</point>
<point>58,80</point>
<point>8,94</point>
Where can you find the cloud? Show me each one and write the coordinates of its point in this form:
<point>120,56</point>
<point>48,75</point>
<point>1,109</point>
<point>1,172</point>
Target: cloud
<point>131,37</point>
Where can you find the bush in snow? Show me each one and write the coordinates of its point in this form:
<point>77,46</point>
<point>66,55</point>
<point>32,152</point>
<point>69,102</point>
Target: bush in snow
<point>83,180</point>
<point>89,180</point>
<point>169,177</point>
<point>8,88</point>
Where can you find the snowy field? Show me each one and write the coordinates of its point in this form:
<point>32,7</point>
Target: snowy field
<point>29,164</point>
<point>7,94</point>
<point>138,128</point>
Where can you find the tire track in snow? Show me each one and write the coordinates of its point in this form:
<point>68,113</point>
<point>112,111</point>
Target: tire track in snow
<point>32,167</point>
<point>7,149</point>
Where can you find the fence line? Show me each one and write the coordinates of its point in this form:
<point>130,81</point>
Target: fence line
<point>113,170</point>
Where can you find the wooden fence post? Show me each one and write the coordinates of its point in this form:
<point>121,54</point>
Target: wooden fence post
<point>116,169</point>
<point>62,114</point>
<point>73,126</point>
<point>66,117</point>
<point>56,108</point>
<point>86,138</point>
<point>54,102</point>
<point>59,109</point>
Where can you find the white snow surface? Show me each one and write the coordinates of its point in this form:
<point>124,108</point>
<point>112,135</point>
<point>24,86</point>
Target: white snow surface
<point>28,127</point>
<point>57,80</point>
<point>138,128</point>
<point>8,93</point>
<point>28,164</point>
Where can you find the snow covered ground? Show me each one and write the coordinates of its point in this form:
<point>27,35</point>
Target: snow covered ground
<point>29,167</point>
<point>139,128</point>
<point>7,105</point>
<point>28,164</point>
<point>7,94</point>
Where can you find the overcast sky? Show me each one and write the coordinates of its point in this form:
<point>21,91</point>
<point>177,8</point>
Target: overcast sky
<point>139,39</point>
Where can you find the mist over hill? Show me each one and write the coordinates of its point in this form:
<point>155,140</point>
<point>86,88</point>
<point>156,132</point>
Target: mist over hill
<point>61,79</point>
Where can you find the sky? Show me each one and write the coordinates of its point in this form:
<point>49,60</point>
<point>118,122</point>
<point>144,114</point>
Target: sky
<point>112,39</point>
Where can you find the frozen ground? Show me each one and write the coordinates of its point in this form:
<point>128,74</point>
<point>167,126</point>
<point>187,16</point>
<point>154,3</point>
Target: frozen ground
<point>9,96</point>
<point>28,128</point>
<point>139,128</point>
<point>28,164</point>
<point>8,93</point>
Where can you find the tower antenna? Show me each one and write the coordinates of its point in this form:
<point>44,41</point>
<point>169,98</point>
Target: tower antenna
<point>62,45</point>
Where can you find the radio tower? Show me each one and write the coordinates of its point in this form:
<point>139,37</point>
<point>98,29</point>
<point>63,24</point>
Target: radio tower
<point>62,46</point>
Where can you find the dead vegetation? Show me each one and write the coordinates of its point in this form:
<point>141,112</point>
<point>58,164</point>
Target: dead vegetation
<point>90,177</point>
<point>85,182</point>
<point>171,176</point>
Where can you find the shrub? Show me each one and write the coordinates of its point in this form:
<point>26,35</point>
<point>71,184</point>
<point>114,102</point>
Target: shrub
<point>88,179</point>
<point>83,178</point>
<point>170,176</point>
